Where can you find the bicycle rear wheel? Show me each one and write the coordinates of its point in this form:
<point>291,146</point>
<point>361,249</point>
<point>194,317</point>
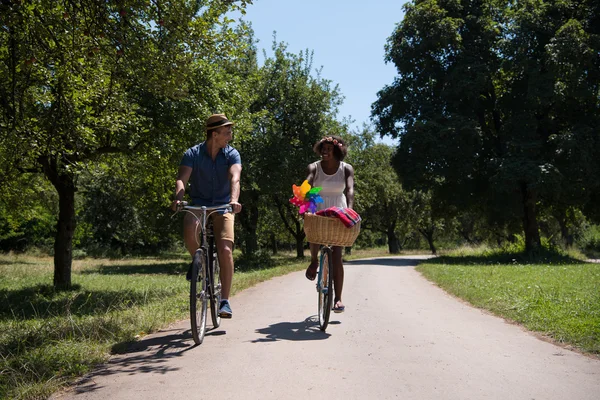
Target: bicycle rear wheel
<point>325,287</point>
<point>198,296</point>
<point>215,285</point>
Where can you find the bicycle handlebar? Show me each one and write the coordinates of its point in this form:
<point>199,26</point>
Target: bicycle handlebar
<point>184,206</point>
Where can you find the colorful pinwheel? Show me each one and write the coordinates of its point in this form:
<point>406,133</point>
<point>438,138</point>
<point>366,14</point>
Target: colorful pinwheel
<point>306,197</point>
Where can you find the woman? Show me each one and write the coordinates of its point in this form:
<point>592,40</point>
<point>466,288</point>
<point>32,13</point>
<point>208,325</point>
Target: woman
<point>336,178</point>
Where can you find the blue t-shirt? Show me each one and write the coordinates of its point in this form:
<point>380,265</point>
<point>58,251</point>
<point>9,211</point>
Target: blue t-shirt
<point>209,182</point>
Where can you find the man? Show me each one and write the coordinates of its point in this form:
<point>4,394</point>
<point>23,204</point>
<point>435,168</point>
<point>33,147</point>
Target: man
<point>213,169</point>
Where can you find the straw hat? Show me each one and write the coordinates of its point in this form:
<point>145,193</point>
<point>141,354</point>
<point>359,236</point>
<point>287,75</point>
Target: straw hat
<point>216,121</point>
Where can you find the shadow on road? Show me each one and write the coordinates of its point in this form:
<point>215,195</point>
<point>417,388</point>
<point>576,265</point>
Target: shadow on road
<point>388,262</point>
<point>303,330</point>
<point>149,355</point>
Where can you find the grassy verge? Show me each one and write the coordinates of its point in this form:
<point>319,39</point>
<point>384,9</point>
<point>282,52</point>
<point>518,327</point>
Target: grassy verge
<point>48,338</point>
<point>559,298</point>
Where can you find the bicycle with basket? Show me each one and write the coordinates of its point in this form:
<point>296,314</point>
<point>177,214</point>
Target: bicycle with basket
<point>328,232</point>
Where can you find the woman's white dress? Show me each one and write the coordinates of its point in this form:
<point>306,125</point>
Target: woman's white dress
<point>333,187</point>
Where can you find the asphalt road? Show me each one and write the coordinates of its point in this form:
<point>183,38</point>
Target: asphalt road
<point>400,337</point>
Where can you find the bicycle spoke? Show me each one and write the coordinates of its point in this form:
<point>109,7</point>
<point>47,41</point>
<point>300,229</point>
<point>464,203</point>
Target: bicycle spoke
<point>324,287</point>
<point>198,299</point>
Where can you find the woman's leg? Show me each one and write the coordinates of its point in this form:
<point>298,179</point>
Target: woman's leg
<point>338,277</point>
<point>311,271</point>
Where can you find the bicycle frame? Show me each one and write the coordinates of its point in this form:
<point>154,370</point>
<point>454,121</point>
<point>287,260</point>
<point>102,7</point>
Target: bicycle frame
<point>325,285</point>
<point>203,218</point>
<point>204,286</point>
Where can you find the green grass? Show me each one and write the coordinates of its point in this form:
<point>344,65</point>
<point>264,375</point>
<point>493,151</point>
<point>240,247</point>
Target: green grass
<point>559,298</point>
<point>49,338</point>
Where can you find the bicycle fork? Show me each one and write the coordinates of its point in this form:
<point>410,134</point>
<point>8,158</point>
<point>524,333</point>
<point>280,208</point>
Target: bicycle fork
<point>320,278</point>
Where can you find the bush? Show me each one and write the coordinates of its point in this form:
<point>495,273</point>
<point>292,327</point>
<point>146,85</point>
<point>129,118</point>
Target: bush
<point>35,230</point>
<point>589,239</point>
<point>258,260</point>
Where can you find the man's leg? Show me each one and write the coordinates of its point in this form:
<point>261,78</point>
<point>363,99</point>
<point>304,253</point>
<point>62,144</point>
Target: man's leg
<point>190,238</point>
<point>190,234</point>
<point>225,251</point>
<point>224,237</point>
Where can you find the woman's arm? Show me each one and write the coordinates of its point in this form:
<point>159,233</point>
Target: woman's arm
<point>311,170</point>
<point>349,173</point>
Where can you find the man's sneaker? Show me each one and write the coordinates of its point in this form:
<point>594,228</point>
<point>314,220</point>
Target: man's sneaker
<point>188,276</point>
<point>225,310</point>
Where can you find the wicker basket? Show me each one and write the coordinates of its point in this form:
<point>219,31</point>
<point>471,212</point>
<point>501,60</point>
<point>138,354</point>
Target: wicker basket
<point>329,230</point>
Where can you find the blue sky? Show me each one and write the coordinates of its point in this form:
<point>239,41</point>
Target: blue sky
<point>347,37</point>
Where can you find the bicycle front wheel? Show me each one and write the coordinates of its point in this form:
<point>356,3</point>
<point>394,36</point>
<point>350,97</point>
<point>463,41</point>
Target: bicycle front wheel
<point>215,286</point>
<point>325,287</point>
<point>198,296</point>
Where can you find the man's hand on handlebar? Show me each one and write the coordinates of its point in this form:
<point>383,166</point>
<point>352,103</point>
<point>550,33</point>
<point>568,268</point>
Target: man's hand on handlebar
<point>236,207</point>
<point>177,205</point>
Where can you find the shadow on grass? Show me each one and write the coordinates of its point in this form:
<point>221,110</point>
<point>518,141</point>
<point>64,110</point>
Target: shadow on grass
<point>174,268</point>
<point>387,261</point>
<point>495,258</point>
<point>44,301</point>
<point>296,331</point>
<point>16,262</point>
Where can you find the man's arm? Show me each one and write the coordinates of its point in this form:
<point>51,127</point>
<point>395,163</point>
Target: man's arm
<point>349,172</point>
<point>235,172</point>
<point>183,176</point>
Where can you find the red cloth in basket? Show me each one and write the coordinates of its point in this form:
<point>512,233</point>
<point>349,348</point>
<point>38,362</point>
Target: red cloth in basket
<point>348,216</point>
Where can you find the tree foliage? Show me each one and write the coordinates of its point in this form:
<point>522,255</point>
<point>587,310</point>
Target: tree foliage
<point>383,204</point>
<point>293,108</point>
<point>497,103</point>
<point>83,79</point>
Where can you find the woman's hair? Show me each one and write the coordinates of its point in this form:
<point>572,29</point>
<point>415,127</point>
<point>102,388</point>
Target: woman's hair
<point>340,150</point>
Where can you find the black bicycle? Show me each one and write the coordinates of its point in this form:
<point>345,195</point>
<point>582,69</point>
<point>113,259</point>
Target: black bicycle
<point>325,285</point>
<point>205,283</point>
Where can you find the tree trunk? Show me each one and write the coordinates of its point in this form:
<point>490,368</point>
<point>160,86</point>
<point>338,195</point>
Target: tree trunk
<point>300,246</point>
<point>64,184</point>
<point>292,224</point>
<point>273,241</point>
<point>564,229</point>
<point>530,224</point>
<point>251,235</point>
<point>393,242</point>
<point>65,229</point>
<point>431,244</point>
<point>428,234</point>
<point>249,222</point>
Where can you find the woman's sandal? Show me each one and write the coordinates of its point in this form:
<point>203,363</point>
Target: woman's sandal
<point>338,308</point>
<point>311,272</point>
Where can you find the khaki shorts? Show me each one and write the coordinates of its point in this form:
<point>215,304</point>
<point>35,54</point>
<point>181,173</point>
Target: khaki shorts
<point>222,224</point>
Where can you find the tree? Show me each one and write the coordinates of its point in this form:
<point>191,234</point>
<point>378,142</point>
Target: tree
<point>78,80</point>
<point>292,110</point>
<point>380,199</point>
<point>496,100</point>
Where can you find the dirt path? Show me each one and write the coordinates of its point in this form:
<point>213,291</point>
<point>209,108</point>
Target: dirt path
<point>400,337</point>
